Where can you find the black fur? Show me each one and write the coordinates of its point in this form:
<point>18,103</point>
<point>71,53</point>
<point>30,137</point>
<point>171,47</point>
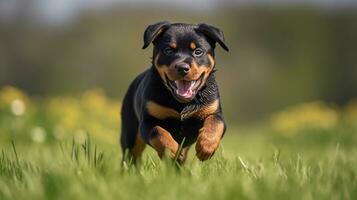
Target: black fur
<point>149,86</point>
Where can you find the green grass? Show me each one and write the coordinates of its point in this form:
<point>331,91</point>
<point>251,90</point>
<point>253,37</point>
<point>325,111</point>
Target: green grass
<point>249,165</point>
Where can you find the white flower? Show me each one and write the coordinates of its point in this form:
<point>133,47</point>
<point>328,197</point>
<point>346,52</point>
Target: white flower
<point>38,134</point>
<point>80,136</point>
<point>18,107</point>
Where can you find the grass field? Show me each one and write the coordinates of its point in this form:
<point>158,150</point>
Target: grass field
<point>66,148</point>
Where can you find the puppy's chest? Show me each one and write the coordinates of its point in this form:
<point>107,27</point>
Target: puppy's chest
<point>199,112</point>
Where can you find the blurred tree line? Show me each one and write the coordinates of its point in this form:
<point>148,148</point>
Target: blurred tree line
<point>279,55</point>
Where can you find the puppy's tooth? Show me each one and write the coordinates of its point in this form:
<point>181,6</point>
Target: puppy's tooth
<point>192,84</point>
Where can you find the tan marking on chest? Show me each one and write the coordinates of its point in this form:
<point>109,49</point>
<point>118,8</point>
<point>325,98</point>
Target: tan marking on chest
<point>161,112</point>
<point>206,110</point>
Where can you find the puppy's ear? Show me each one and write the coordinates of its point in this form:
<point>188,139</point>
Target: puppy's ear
<point>214,34</point>
<point>154,30</point>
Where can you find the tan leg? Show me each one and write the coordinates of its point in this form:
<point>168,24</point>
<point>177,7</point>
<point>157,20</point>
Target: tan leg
<point>209,137</point>
<point>184,154</point>
<point>138,148</point>
<point>164,141</point>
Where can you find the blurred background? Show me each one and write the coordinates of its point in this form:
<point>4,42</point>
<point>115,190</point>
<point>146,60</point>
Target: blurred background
<point>283,54</point>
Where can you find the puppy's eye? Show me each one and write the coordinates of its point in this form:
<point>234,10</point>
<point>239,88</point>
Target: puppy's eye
<point>198,52</point>
<point>169,51</point>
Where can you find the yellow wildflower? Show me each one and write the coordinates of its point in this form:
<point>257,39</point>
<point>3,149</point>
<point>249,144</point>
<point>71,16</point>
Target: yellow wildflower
<point>313,115</point>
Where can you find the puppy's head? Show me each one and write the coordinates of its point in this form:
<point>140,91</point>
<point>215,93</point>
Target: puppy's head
<point>183,55</point>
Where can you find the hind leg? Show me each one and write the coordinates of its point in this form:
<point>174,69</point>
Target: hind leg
<point>132,148</point>
<point>131,142</point>
<point>137,150</point>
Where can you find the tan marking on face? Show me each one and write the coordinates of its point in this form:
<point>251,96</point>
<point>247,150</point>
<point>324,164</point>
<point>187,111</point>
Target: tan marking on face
<point>138,147</point>
<point>195,71</point>
<point>211,59</point>
<point>206,110</point>
<point>192,45</point>
<point>160,69</point>
<point>163,70</point>
<point>173,45</point>
<point>161,112</point>
<point>210,67</point>
<point>209,137</point>
<point>162,141</point>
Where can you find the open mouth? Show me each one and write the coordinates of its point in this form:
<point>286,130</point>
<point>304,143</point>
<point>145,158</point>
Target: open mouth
<point>183,89</point>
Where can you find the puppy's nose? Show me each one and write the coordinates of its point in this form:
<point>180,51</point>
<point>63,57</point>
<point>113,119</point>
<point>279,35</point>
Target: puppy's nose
<point>183,69</point>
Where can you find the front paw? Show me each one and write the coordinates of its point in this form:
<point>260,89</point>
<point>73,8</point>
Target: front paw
<point>206,147</point>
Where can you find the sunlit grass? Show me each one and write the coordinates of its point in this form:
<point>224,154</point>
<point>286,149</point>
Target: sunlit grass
<point>90,171</point>
<point>67,148</point>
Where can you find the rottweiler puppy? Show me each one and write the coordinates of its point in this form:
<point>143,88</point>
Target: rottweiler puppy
<point>177,97</point>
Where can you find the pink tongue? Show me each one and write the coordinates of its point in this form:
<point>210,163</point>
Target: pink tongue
<point>183,88</point>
